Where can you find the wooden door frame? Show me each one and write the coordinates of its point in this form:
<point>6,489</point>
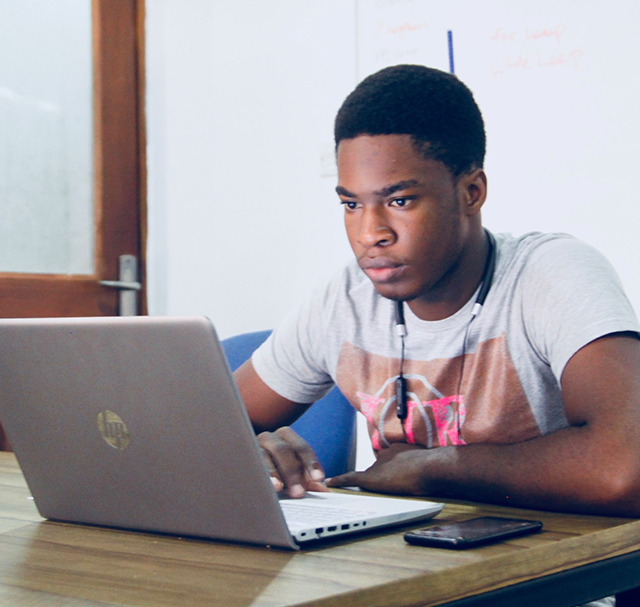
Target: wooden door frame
<point>141,54</point>
<point>119,176</point>
<point>120,150</point>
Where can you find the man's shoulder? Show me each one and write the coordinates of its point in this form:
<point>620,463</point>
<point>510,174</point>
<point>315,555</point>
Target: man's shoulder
<point>531,242</point>
<point>536,252</point>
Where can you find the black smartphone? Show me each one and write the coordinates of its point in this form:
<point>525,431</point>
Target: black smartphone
<point>472,532</point>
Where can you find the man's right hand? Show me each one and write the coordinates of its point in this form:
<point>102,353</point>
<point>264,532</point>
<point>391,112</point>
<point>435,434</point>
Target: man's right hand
<point>291,462</point>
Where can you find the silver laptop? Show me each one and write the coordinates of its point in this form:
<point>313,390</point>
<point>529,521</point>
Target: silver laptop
<point>137,423</point>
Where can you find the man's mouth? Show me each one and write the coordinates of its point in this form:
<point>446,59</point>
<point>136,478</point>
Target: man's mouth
<point>381,269</point>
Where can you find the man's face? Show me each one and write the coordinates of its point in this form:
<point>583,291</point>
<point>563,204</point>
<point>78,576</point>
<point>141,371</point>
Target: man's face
<point>407,218</point>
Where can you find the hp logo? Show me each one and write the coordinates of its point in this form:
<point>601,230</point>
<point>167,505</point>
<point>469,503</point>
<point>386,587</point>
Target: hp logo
<point>113,430</point>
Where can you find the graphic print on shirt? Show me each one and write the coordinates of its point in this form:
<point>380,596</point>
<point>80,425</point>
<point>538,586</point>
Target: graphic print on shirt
<point>491,406</point>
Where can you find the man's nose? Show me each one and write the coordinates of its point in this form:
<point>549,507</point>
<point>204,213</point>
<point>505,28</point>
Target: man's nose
<point>374,229</point>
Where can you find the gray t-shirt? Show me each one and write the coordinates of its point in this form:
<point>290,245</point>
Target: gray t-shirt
<point>551,295</point>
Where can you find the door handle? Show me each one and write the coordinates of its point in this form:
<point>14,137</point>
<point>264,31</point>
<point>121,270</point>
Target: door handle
<point>121,284</point>
<point>127,285</point>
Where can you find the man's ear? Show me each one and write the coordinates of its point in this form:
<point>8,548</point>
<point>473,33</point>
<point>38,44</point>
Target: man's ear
<point>472,189</point>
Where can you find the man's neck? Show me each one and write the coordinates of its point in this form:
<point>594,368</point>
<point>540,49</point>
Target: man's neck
<point>455,288</point>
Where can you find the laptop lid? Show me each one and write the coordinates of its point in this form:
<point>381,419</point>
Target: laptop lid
<point>133,422</point>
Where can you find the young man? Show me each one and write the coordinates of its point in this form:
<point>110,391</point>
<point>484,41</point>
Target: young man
<point>532,399</point>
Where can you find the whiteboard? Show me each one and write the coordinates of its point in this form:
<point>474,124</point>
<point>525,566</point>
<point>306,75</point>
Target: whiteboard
<point>558,84</point>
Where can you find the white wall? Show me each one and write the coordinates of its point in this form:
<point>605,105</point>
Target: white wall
<point>240,101</point>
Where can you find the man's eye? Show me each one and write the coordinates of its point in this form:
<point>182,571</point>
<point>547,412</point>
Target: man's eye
<point>401,202</point>
<point>350,204</point>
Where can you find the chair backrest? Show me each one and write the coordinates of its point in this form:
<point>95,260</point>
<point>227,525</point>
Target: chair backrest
<point>328,425</point>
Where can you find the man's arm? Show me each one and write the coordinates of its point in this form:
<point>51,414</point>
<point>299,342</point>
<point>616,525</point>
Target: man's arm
<point>593,466</point>
<point>290,460</point>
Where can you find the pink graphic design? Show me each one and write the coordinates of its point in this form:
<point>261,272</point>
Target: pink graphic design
<point>368,406</point>
<point>448,420</point>
<point>408,428</point>
<point>494,409</point>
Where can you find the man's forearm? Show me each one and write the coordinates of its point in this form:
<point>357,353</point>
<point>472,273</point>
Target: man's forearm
<point>560,471</point>
<point>568,470</point>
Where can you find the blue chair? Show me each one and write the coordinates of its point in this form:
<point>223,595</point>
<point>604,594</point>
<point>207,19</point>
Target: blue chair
<point>328,425</point>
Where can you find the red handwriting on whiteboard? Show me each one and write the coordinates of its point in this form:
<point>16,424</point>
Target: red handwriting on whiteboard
<point>529,48</point>
<point>501,34</point>
<point>571,59</point>
<point>546,33</point>
<point>402,29</point>
<point>385,55</point>
<point>521,62</point>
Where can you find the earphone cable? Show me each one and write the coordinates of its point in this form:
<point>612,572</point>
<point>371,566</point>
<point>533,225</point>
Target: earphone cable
<point>401,383</point>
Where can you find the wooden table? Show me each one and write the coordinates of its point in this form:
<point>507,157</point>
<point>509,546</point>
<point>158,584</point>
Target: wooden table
<point>43,563</point>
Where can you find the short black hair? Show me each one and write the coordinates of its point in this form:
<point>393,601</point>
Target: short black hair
<point>434,107</point>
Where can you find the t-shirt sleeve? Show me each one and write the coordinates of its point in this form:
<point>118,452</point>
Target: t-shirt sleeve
<point>292,360</point>
<point>571,296</point>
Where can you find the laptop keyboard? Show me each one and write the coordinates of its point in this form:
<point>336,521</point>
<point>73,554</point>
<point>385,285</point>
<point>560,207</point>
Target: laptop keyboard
<point>295,512</point>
